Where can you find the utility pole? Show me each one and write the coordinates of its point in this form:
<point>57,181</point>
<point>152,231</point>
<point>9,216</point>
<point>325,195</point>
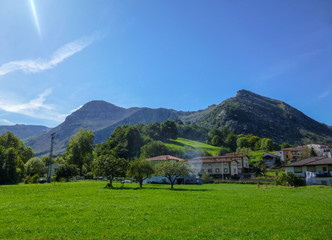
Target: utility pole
<point>50,162</point>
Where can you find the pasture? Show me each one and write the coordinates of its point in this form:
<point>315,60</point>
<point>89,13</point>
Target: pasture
<point>87,210</point>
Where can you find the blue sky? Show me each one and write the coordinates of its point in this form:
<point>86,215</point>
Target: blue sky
<point>56,55</point>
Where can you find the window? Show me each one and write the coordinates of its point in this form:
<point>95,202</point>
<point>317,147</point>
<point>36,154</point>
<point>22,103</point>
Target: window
<point>209,170</point>
<point>217,170</point>
<point>202,170</point>
<point>324,169</point>
<point>298,169</point>
<point>239,164</point>
<point>225,170</point>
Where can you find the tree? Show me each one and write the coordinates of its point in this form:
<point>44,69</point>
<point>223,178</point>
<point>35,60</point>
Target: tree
<point>216,141</point>
<point>252,142</point>
<point>79,149</point>
<point>110,167</point>
<point>313,153</point>
<point>242,142</point>
<point>169,130</point>
<point>230,141</point>
<point>12,151</point>
<point>65,171</point>
<point>35,166</point>
<point>140,169</point>
<point>153,149</point>
<point>223,151</point>
<point>173,170</point>
<point>125,142</point>
<point>290,179</point>
<point>285,145</point>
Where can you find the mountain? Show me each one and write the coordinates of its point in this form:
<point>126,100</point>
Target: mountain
<point>246,113</point>
<point>250,113</point>
<point>101,117</point>
<point>24,131</point>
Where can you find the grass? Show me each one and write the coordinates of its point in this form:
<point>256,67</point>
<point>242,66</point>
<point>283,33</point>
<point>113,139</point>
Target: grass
<point>183,144</point>
<point>86,210</point>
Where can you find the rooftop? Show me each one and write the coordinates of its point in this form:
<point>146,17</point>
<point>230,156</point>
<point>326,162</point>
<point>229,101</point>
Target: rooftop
<point>165,158</point>
<point>311,161</point>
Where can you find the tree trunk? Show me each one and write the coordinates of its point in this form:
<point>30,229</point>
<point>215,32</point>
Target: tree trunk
<point>111,183</point>
<point>141,183</point>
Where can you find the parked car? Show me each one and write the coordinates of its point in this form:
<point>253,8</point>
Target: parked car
<point>126,181</point>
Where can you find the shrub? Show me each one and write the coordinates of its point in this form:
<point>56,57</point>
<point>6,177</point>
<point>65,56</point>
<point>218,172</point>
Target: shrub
<point>290,179</point>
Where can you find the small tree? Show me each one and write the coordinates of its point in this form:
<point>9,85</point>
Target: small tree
<point>79,149</point>
<point>173,170</point>
<point>66,171</point>
<point>35,166</point>
<point>110,167</point>
<point>290,179</point>
<point>141,170</point>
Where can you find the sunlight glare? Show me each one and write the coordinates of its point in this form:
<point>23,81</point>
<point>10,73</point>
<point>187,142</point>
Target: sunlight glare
<point>34,12</point>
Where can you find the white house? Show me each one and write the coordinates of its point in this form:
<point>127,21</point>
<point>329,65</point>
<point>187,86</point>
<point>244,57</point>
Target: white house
<point>315,170</point>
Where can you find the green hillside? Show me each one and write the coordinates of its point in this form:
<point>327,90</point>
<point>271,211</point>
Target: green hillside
<point>183,144</point>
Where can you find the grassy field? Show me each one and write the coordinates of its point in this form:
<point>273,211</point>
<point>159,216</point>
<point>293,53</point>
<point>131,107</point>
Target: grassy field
<point>182,144</point>
<point>86,210</point>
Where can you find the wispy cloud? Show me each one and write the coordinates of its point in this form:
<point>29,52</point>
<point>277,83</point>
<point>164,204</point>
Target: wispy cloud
<point>286,65</point>
<point>324,94</point>
<point>7,122</point>
<point>36,108</point>
<point>38,65</point>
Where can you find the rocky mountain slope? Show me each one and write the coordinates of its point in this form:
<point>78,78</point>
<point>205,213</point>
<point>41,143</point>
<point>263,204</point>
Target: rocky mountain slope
<point>102,118</point>
<point>247,113</point>
<point>250,113</point>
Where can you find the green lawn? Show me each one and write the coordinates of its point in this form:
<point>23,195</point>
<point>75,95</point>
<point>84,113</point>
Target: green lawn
<point>182,144</point>
<point>86,210</point>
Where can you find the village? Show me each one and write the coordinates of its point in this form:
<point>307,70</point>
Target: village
<point>315,168</point>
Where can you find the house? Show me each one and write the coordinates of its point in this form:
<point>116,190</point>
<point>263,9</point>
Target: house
<point>226,166</point>
<point>315,170</point>
<point>242,159</point>
<point>216,167</point>
<point>296,153</point>
<point>270,159</point>
<point>164,158</point>
<point>321,150</point>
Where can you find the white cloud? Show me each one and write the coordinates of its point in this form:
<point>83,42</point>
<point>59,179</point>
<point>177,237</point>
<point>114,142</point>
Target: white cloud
<point>324,94</point>
<point>38,65</point>
<point>287,65</point>
<point>35,108</point>
<point>7,122</point>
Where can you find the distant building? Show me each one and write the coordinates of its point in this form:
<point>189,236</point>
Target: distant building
<point>315,170</point>
<point>321,150</point>
<point>295,153</point>
<point>270,159</point>
<point>226,166</point>
<point>164,158</point>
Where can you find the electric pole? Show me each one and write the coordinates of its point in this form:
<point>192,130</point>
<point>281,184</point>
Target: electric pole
<point>50,161</point>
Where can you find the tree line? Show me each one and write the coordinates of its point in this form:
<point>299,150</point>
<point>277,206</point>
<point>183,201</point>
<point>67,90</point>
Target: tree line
<point>127,145</point>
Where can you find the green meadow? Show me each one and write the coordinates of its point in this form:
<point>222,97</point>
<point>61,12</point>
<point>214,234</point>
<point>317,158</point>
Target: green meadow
<point>182,144</point>
<point>87,210</point>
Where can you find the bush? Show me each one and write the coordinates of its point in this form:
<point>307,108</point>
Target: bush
<point>290,179</point>
<point>35,178</point>
<point>89,175</point>
<point>65,171</point>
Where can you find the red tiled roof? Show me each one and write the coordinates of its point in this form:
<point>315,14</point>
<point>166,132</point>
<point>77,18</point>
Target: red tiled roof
<point>212,159</point>
<point>234,155</point>
<point>165,158</point>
